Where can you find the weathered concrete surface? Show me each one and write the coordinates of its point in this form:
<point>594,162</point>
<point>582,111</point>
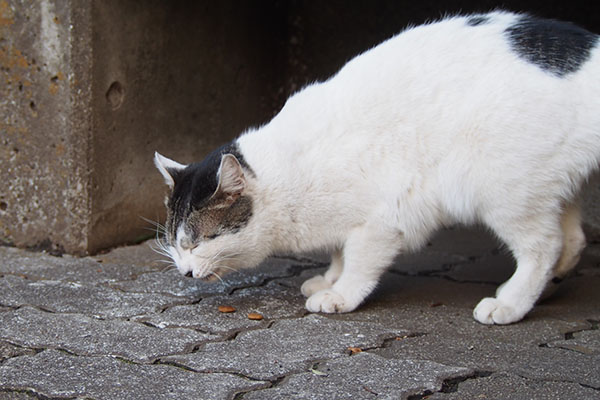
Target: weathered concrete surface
<point>44,123</point>
<point>90,89</point>
<point>173,77</point>
<point>120,326</point>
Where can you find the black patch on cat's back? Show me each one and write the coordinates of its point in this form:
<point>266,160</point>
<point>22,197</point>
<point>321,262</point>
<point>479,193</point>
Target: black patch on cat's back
<point>557,47</point>
<point>477,20</point>
<point>195,184</point>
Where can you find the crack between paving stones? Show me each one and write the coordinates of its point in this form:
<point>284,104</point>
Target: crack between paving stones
<point>32,349</point>
<point>571,335</point>
<point>40,396</point>
<point>589,387</point>
<point>440,274</point>
<point>175,364</point>
<point>13,308</point>
<point>450,385</point>
<point>264,282</point>
<point>168,306</point>
<point>313,365</point>
<point>530,378</point>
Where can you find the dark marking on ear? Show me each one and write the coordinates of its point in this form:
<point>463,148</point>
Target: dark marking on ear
<point>477,20</point>
<point>556,280</point>
<point>557,47</point>
<point>195,185</point>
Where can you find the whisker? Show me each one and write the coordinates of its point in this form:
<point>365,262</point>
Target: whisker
<point>156,224</point>
<point>227,267</point>
<point>164,261</point>
<point>218,277</point>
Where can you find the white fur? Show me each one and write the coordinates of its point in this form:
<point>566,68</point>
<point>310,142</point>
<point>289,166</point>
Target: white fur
<point>163,163</point>
<point>433,127</point>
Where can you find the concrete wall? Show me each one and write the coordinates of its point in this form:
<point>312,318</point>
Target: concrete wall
<point>44,123</point>
<point>177,77</point>
<point>90,88</point>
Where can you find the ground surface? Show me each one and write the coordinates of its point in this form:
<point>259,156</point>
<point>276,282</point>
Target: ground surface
<point>122,326</point>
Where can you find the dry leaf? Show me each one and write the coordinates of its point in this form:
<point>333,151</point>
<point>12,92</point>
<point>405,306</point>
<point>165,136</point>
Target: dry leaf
<point>255,316</point>
<point>226,309</point>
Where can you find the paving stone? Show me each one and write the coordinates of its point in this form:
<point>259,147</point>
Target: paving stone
<point>12,395</point>
<point>373,377</point>
<point>423,308</point>
<point>586,342</point>
<point>489,268</point>
<point>430,262</point>
<point>513,387</point>
<point>272,301</point>
<point>9,350</point>
<point>467,242</point>
<point>173,283</point>
<point>84,335</point>
<point>56,374</point>
<point>288,346</point>
<point>42,266</point>
<point>489,354</point>
<point>73,297</point>
<point>139,255</point>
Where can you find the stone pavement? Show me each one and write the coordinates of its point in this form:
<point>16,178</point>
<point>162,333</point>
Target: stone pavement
<point>122,325</point>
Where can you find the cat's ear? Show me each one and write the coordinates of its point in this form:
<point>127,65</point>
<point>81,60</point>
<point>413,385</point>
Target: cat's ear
<point>168,168</point>
<point>232,181</point>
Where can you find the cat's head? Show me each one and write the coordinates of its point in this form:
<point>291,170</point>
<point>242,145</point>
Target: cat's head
<point>210,228</point>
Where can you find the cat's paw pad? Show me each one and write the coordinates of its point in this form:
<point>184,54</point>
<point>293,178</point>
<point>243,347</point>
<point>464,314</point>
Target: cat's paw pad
<point>493,311</point>
<point>314,285</point>
<point>327,301</point>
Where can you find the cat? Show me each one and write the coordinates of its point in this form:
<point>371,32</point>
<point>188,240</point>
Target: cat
<point>489,119</point>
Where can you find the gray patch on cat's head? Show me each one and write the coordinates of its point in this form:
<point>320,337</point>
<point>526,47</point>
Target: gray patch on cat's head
<point>215,219</point>
<point>557,47</point>
<point>205,200</point>
<point>477,20</point>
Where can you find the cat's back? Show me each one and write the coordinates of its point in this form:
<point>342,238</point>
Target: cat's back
<point>467,52</point>
<point>478,84</point>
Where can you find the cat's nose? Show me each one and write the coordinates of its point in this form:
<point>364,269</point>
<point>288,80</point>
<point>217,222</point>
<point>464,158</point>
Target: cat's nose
<point>188,274</point>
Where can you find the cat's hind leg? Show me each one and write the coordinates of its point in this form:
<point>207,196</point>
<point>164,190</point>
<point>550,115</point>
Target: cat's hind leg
<point>536,241</point>
<point>325,281</point>
<point>368,252</point>
<point>573,244</point>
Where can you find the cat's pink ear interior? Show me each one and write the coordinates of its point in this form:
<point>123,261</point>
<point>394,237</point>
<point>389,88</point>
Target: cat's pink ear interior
<point>231,177</point>
<point>167,168</point>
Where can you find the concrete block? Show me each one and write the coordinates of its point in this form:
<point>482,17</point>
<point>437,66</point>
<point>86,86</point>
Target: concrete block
<point>374,377</point>
<point>314,338</point>
<point>83,335</point>
<point>56,374</point>
<point>44,123</point>
<point>93,88</point>
<point>71,297</point>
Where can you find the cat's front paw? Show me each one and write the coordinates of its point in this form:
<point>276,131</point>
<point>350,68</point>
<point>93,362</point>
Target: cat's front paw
<point>328,301</point>
<point>314,285</point>
<point>493,311</point>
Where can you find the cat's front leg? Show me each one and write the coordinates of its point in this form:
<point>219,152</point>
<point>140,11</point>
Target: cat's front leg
<point>325,281</point>
<point>367,253</point>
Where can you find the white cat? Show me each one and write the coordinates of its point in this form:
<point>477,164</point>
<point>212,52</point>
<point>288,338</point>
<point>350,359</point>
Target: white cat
<point>490,118</point>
